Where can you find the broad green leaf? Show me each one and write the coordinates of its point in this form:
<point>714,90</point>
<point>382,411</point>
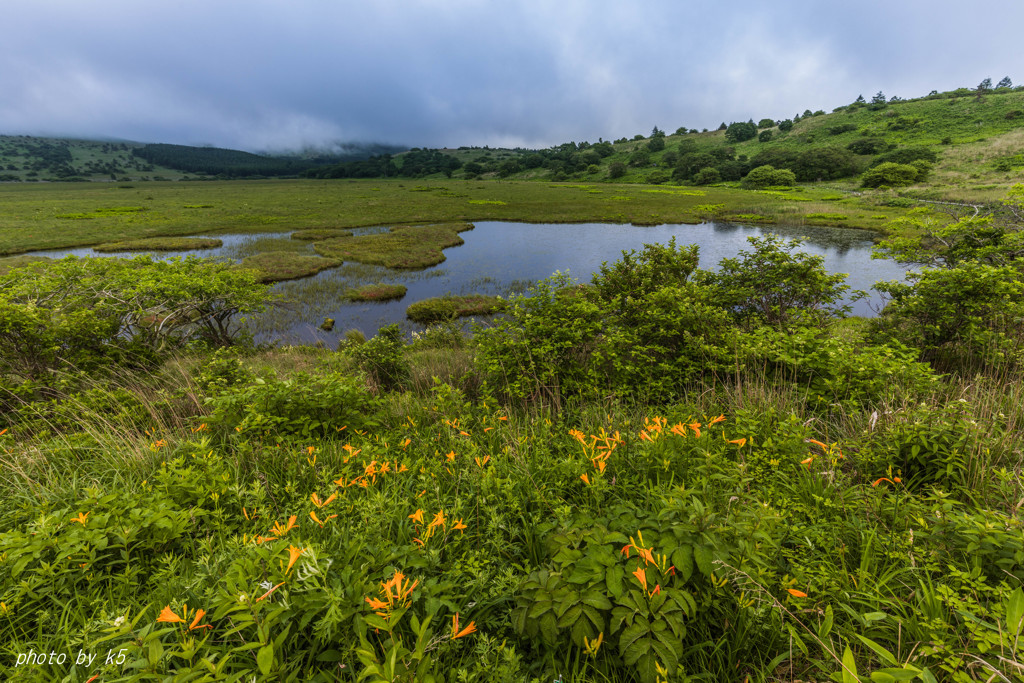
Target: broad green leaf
<point>849,667</point>
<point>886,656</point>
<point>265,659</point>
<point>890,675</point>
<point>682,558</point>
<point>702,556</point>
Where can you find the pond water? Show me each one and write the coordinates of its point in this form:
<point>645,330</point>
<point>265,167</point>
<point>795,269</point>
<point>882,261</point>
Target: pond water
<point>502,258</point>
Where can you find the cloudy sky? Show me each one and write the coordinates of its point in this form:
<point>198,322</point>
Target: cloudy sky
<point>283,74</point>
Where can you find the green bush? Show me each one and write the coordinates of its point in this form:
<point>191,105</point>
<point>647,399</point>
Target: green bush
<point>964,317</point>
<point>768,176</point>
<point>772,285</point>
<point>890,174</point>
<point>707,176</point>
<point>304,406</point>
<point>383,358</point>
<point>831,370</point>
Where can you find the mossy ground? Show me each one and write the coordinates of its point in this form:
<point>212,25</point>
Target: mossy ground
<point>160,244</point>
<point>408,247</point>
<point>377,292</point>
<point>275,266</point>
<point>438,309</point>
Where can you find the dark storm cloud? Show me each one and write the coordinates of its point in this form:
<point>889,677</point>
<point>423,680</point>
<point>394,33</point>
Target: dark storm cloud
<point>265,74</point>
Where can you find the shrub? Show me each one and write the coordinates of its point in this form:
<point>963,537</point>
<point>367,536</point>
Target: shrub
<point>868,146</point>
<point>383,358</point>
<point>764,136</point>
<point>767,176</point>
<point>740,131</point>
<point>890,174</point>
<point>89,313</point>
<point>771,285</point>
<point>303,406</point>
<point>834,370</point>
<point>707,176</point>
<point>616,169</point>
<point>964,317</point>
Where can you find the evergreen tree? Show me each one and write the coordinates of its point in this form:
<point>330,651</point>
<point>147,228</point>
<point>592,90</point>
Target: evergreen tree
<point>1005,83</point>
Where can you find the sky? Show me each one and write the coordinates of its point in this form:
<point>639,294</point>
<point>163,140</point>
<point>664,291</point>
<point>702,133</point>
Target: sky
<point>282,75</point>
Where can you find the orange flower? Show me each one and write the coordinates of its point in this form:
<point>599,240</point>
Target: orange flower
<point>406,443</point>
<point>450,456</point>
<point>280,530</point>
<point>456,633</point>
<point>376,604</point>
<point>438,520</point>
<point>695,426</point>
<point>795,593</point>
<point>878,481</point>
<point>322,503</point>
<point>625,550</point>
<point>641,576</point>
<point>657,589</point>
<point>168,616</point>
<point>293,555</point>
<point>82,516</point>
<point>716,420</point>
<point>503,418</point>
<point>586,479</point>
<point>480,463</point>
<point>739,442</point>
<point>195,621</point>
<point>459,525</point>
<point>312,515</point>
<point>417,517</point>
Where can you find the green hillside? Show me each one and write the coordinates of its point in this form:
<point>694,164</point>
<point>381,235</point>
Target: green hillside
<point>28,158</point>
<point>968,144</point>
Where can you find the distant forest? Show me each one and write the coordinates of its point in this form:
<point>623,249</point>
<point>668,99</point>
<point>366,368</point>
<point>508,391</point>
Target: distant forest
<point>235,164</point>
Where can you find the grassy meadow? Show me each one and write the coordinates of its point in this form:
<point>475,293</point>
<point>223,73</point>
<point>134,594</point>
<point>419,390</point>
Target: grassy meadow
<point>667,475</point>
<point>57,215</point>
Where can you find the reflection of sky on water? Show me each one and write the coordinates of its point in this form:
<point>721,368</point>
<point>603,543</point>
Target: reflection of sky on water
<point>498,257</point>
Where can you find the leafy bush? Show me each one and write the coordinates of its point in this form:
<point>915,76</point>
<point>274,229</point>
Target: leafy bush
<point>868,146</point>
<point>383,358</point>
<point>88,313</point>
<point>304,405</point>
<point>707,176</point>
<point>968,316</point>
<point>773,286</point>
<point>833,370</point>
<point>890,174</point>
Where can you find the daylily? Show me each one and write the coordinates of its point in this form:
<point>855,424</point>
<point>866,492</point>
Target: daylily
<point>716,420</point>
<point>293,555</point>
<point>438,520</point>
<point>312,515</point>
<point>417,517</point>
<point>641,576</point>
<point>195,621</point>
<point>167,615</point>
<point>82,516</point>
<point>695,426</point>
<point>586,479</point>
<point>450,456</point>
<point>796,593</point>
<point>267,594</point>
<point>322,503</point>
<point>456,633</point>
<point>739,442</point>
<point>459,525</point>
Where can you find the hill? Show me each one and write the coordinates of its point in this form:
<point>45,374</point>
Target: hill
<point>29,158</point>
<point>966,144</point>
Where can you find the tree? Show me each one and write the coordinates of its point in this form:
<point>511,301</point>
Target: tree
<point>859,100</point>
<point>723,126</point>
<point>985,85</point>
<point>1005,83</point>
<point>707,176</point>
<point>764,136</point>
<point>616,169</point>
<point>740,131</point>
<point>891,174</point>
<point>786,125</point>
<point>879,98</point>
<point>657,133</point>
<point>656,144</point>
<point>766,123</point>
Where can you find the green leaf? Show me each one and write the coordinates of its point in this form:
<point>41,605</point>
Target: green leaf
<point>613,579</point>
<point>702,555</point>
<point>265,659</point>
<point>682,558</point>
<point>826,624</point>
<point>849,667</point>
<point>570,616</point>
<point>890,675</point>
<point>1015,611</point>
<point>886,656</point>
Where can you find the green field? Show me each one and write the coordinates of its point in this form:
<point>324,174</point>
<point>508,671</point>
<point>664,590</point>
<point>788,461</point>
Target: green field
<point>54,215</point>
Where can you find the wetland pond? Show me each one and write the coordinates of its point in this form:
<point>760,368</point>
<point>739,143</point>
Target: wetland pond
<point>504,258</point>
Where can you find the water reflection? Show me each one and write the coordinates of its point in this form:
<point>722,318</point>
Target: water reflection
<point>500,258</point>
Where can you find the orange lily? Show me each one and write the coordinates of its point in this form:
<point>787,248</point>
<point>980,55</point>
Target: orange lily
<point>720,418</point>
<point>82,516</point>
<point>450,456</point>
<point>695,426</point>
<point>199,615</point>
<point>167,615</point>
<point>795,593</point>
<point>293,555</point>
<point>322,503</point>
<point>739,442</point>
<point>438,520</point>
<point>456,633</point>
<point>459,525</point>
<point>267,594</point>
<point>586,479</point>
<point>417,517</point>
<point>641,576</point>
